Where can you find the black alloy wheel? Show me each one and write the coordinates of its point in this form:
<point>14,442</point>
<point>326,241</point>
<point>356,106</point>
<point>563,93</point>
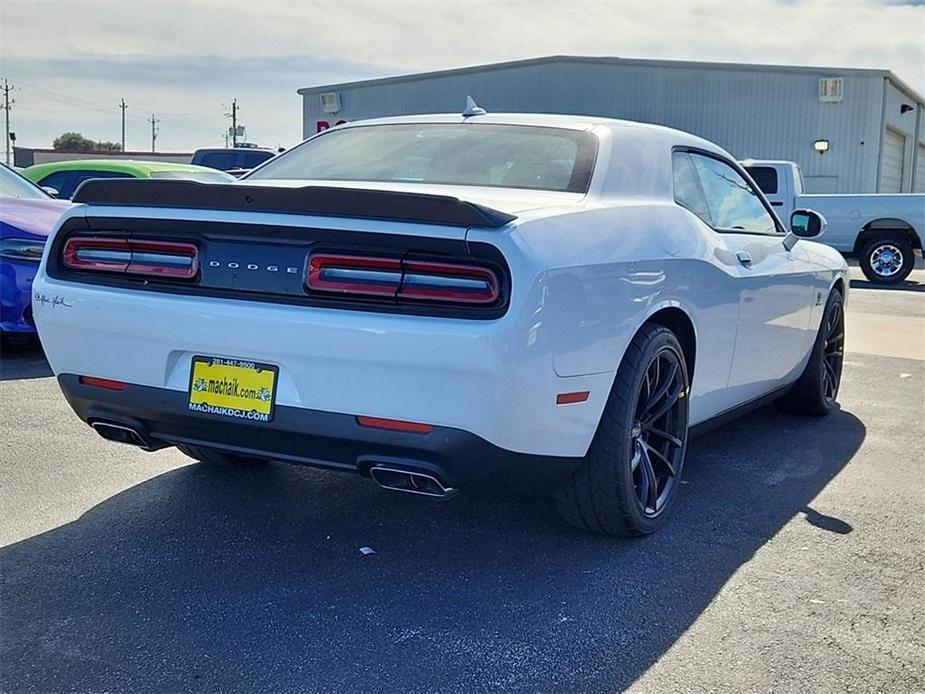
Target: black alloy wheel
<point>833,351</point>
<point>659,433</point>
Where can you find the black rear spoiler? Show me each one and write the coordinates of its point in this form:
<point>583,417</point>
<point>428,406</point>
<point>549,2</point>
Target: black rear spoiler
<point>310,200</point>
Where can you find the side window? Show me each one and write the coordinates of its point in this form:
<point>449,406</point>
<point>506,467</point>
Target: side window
<point>734,205</point>
<point>765,177</point>
<point>687,190</point>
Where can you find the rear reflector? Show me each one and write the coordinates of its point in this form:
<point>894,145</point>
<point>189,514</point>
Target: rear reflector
<point>396,278</point>
<point>106,383</point>
<point>394,425</point>
<point>132,256</point>
<point>570,398</point>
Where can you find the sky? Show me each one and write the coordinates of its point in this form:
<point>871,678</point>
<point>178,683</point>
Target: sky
<point>71,61</point>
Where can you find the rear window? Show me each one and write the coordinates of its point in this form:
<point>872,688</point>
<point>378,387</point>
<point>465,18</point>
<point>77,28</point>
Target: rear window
<point>468,154</point>
<point>765,177</point>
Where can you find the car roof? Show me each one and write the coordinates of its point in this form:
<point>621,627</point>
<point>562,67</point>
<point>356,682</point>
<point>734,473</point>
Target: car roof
<point>130,166</point>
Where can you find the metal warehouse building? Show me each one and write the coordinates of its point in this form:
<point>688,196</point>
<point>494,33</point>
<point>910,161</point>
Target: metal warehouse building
<point>869,120</point>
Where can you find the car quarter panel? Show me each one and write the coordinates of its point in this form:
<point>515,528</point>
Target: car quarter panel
<point>612,267</point>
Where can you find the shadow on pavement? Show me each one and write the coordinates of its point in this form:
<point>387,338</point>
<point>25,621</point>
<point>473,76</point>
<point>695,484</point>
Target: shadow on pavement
<point>905,286</point>
<point>23,359</point>
<point>206,579</point>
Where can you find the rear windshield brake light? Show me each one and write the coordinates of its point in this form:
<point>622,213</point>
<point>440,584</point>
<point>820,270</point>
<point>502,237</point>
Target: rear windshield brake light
<point>132,256</point>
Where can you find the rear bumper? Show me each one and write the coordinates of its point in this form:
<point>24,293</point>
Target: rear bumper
<point>492,378</point>
<point>295,435</point>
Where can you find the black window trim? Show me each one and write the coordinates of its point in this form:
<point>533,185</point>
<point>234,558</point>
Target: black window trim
<point>748,179</point>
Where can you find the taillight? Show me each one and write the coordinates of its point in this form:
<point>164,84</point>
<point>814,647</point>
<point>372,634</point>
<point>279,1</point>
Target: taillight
<point>414,280</point>
<point>132,256</point>
<point>467,284</point>
<point>347,274</point>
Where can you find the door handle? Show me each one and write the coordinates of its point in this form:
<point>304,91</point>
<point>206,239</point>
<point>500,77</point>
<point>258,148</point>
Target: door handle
<point>744,258</point>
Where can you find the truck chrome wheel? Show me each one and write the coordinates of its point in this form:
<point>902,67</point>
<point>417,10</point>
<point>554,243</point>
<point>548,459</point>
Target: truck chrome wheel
<point>659,433</point>
<point>886,260</point>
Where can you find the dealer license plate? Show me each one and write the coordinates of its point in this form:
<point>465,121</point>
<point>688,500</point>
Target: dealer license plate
<point>233,388</point>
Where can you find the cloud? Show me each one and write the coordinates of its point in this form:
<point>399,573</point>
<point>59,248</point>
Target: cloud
<point>191,57</point>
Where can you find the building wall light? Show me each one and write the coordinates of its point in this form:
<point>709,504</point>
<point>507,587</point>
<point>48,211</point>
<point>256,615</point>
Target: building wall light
<point>821,146</point>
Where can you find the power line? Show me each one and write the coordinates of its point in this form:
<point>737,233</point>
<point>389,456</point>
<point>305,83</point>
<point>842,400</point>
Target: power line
<point>168,118</point>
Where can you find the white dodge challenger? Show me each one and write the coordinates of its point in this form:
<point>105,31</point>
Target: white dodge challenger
<point>424,299</point>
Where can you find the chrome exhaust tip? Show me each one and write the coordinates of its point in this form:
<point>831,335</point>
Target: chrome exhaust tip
<point>411,482</point>
<point>119,433</point>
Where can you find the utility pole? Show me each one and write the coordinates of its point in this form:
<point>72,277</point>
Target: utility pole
<point>6,108</point>
<point>123,107</point>
<point>153,121</point>
<point>234,122</point>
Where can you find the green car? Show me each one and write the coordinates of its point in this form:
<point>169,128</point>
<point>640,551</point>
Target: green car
<point>64,177</point>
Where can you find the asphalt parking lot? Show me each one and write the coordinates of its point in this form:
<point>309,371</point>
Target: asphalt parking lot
<point>794,561</point>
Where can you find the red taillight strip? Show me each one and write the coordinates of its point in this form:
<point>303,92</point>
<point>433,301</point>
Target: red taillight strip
<point>143,265</point>
<point>402,279</point>
<point>486,294</point>
<point>317,281</point>
<point>106,383</point>
<point>78,243</point>
<point>394,425</point>
<point>132,256</point>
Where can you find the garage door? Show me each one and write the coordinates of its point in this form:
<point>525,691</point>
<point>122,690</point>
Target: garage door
<point>891,162</point>
<point>918,185</point>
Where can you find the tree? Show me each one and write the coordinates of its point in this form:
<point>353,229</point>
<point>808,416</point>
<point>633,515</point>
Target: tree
<point>75,142</point>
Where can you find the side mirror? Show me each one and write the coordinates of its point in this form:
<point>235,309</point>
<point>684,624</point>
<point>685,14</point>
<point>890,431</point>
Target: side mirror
<point>53,192</point>
<point>804,224</point>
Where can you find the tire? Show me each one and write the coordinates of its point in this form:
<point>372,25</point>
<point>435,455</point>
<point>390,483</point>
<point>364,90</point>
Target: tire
<point>816,391</point>
<point>610,492</point>
<point>887,260</point>
<point>212,456</point>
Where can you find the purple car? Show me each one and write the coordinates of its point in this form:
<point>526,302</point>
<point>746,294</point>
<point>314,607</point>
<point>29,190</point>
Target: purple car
<point>27,215</point>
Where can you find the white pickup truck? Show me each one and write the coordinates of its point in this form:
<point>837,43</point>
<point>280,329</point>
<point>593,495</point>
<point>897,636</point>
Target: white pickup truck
<point>883,231</point>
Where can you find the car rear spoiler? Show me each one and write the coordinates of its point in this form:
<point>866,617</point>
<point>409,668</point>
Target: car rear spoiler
<point>309,200</point>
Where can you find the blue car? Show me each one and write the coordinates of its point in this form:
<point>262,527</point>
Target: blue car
<point>27,216</point>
